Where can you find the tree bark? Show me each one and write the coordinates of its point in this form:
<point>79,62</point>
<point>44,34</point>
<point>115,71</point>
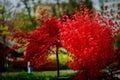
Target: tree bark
<point>57,60</point>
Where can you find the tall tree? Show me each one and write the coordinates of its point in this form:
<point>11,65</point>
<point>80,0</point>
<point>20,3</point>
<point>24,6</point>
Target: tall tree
<point>30,6</point>
<point>6,14</point>
<point>7,11</point>
<point>23,22</point>
<point>74,4</point>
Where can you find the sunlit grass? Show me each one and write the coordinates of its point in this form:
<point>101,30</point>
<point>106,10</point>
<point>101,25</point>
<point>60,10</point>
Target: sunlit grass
<point>45,75</point>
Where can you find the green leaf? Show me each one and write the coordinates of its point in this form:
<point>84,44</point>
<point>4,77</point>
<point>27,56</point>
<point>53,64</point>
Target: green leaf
<point>3,28</point>
<point>5,33</point>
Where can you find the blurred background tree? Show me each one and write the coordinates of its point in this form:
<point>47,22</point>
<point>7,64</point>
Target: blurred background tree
<point>6,14</point>
<point>22,22</point>
<point>30,9</point>
<point>25,19</point>
<point>74,4</point>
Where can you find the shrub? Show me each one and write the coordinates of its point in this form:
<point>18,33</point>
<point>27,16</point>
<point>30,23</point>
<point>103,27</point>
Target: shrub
<point>51,64</point>
<point>63,59</point>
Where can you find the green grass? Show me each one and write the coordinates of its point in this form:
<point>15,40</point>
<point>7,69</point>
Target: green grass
<point>46,75</point>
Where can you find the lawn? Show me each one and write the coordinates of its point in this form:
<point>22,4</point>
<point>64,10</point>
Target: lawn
<point>44,75</point>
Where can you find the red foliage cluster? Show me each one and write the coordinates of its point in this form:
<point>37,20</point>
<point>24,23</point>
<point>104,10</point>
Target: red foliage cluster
<point>41,40</point>
<point>17,64</point>
<point>90,40</point>
<point>21,38</point>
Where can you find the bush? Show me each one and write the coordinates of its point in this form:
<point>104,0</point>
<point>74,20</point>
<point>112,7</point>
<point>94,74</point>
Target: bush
<point>63,59</point>
<point>51,64</point>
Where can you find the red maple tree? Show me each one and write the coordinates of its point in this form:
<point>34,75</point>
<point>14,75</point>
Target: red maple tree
<point>90,40</point>
<point>41,40</point>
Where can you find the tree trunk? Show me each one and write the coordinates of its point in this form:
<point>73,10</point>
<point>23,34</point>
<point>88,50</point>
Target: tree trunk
<point>57,60</point>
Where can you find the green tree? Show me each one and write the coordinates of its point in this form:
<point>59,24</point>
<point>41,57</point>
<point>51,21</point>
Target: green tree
<point>6,14</point>
<point>23,22</point>
<point>74,4</point>
<point>30,7</point>
<point>7,11</point>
